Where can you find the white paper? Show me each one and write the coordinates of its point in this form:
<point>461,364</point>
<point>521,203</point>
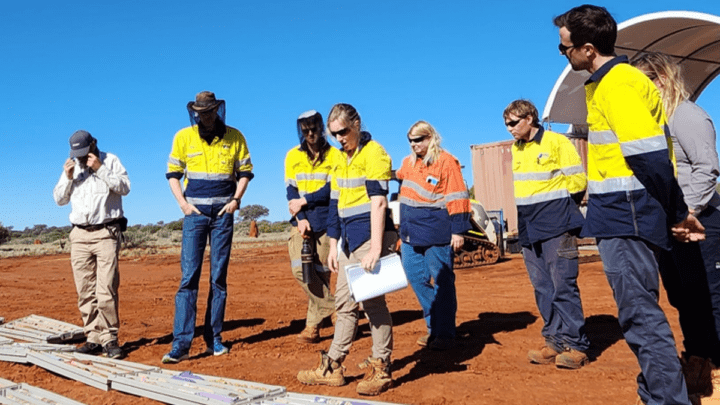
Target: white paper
<point>387,276</point>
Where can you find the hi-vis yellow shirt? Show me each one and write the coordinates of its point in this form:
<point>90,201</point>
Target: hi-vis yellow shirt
<point>211,170</point>
<point>354,180</point>
<point>632,190</point>
<point>311,180</point>
<point>547,173</point>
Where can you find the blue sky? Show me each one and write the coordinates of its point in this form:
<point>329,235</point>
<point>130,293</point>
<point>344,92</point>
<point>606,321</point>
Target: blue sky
<point>124,71</point>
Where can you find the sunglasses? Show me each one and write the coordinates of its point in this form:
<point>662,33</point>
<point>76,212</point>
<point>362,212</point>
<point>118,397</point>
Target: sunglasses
<point>512,124</point>
<point>341,132</point>
<point>306,131</point>
<point>564,48</point>
<point>418,139</point>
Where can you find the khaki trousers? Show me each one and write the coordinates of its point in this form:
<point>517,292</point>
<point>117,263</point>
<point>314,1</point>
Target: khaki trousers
<point>94,258</point>
<point>376,310</point>
<point>321,302</point>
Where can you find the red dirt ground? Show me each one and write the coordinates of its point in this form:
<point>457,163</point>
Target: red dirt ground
<point>497,323</point>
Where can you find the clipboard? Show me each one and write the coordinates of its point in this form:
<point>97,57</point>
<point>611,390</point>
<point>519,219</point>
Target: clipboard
<point>387,276</point>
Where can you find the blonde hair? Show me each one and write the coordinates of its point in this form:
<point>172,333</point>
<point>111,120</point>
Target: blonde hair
<point>346,113</point>
<point>423,128</point>
<point>659,66</point>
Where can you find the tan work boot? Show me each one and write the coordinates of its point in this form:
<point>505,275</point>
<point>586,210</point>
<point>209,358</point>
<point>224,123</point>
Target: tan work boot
<point>377,377</point>
<point>423,340</point>
<point>311,334</point>
<point>572,359</point>
<point>546,355</point>
<point>328,372</point>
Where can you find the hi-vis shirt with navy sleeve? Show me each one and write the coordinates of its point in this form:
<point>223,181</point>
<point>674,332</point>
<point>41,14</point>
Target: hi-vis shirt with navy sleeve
<point>211,170</point>
<point>434,201</point>
<point>632,190</point>
<point>303,179</point>
<point>366,174</point>
<point>547,174</point>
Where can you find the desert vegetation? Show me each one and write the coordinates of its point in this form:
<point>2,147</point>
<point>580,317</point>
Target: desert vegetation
<point>139,239</point>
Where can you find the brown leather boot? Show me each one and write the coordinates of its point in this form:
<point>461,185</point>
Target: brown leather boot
<point>311,334</point>
<point>546,355</point>
<point>572,359</point>
<point>328,372</point>
<point>377,377</point>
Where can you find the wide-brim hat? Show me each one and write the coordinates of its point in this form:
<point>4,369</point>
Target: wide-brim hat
<point>204,101</point>
<point>80,143</point>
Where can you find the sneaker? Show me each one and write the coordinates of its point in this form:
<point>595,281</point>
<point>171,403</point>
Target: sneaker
<point>377,377</point>
<point>442,344</point>
<point>218,349</point>
<point>175,356</point>
<point>546,355</point>
<point>311,334</point>
<point>89,348</point>
<point>111,350</point>
<point>572,359</point>
<point>424,340</point>
<point>328,372</point>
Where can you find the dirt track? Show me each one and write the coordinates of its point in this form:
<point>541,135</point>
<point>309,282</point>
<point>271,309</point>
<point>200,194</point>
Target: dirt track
<point>497,323</point>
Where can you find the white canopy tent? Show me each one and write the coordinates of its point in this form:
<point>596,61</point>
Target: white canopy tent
<point>691,38</point>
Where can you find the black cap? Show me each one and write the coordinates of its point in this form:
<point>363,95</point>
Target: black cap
<point>80,143</point>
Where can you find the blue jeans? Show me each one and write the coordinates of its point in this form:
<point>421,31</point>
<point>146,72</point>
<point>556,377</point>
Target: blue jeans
<point>631,268</point>
<point>553,269</point>
<point>438,300</point>
<point>196,230</point>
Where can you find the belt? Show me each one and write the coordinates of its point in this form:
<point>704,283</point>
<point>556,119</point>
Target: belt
<point>93,228</point>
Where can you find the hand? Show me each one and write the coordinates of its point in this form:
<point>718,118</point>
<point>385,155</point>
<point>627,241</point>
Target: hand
<point>303,227</point>
<point>457,242</point>
<point>69,168</point>
<point>188,209</point>
<point>229,208</point>
<point>93,162</point>
<point>296,205</point>
<point>689,230</point>
<point>332,258</point>
<point>370,260</point>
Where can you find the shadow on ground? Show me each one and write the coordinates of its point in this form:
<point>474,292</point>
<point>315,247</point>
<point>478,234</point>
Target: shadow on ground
<point>602,331</point>
<point>472,337</point>
<point>131,346</point>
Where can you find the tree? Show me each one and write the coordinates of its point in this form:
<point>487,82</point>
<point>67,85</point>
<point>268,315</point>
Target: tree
<point>252,212</point>
<point>4,233</point>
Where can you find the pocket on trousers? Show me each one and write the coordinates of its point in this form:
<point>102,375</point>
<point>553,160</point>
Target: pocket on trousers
<point>568,247</point>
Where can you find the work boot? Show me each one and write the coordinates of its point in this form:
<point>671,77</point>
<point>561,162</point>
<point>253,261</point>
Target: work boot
<point>89,348</point>
<point>377,377</point>
<point>424,340</point>
<point>112,350</point>
<point>698,375</point>
<point>328,372</point>
<point>546,355</point>
<point>572,359</point>
<point>311,334</point>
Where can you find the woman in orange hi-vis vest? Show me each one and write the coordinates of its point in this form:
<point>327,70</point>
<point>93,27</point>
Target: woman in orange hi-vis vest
<point>434,212</point>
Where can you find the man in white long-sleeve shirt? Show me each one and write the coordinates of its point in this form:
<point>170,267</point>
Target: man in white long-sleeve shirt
<point>94,182</point>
